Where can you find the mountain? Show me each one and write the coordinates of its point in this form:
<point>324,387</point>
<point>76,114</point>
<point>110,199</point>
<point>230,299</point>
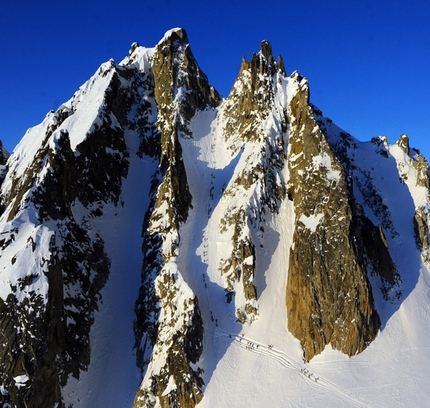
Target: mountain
<point>163,246</point>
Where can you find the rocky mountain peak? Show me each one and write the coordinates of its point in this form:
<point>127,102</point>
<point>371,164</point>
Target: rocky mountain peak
<point>179,79</point>
<point>262,63</point>
<point>281,65</point>
<point>173,35</point>
<point>253,93</point>
<point>266,50</point>
<point>403,143</point>
<point>206,225</point>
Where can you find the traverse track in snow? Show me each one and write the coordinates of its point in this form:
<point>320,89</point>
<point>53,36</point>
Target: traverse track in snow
<point>287,362</point>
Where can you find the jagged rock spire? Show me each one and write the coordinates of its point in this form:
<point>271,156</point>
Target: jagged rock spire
<point>335,246</point>
<point>403,142</point>
<point>281,65</point>
<point>266,50</point>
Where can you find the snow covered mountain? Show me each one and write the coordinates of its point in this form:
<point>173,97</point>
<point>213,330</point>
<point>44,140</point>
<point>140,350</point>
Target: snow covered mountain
<point>162,246</point>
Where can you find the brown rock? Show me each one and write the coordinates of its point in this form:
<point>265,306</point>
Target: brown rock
<point>329,297</point>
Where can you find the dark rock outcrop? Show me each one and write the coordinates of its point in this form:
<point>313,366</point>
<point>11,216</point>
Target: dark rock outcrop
<point>335,247</point>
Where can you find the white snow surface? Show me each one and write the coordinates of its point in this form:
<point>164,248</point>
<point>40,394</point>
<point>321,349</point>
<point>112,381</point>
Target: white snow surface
<point>20,380</point>
<point>312,221</point>
<point>20,261</point>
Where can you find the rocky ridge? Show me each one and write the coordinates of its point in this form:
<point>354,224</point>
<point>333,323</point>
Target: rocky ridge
<point>254,124</point>
<point>55,196</point>
<point>160,326</point>
<point>346,247</point>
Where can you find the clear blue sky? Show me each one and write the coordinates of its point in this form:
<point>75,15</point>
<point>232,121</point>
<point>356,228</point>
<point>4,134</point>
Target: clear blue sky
<point>367,62</point>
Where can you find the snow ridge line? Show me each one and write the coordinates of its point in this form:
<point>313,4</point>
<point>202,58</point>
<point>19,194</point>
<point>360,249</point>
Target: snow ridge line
<point>286,361</point>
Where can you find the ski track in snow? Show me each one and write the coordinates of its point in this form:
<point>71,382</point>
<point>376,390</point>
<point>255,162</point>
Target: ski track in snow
<point>285,361</point>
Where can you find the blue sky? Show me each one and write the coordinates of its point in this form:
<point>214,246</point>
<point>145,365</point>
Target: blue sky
<point>367,62</point>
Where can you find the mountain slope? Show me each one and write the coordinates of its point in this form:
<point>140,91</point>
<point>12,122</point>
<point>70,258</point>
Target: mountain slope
<point>164,246</point>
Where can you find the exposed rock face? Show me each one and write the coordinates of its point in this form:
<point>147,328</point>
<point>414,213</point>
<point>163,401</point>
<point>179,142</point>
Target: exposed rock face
<point>50,311</point>
<point>252,105</point>
<point>421,165</point>
<point>335,247</point>
<point>251,98</point>
<point>403,143</point>
<point>413,158</point>
<point>3,158</point>
<point>422,216</point>
<point>164,331</point>
<point>422,232</point>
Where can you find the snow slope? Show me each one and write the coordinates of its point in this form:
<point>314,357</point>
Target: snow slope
<point>113,377</point>
<point>260,364</point>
